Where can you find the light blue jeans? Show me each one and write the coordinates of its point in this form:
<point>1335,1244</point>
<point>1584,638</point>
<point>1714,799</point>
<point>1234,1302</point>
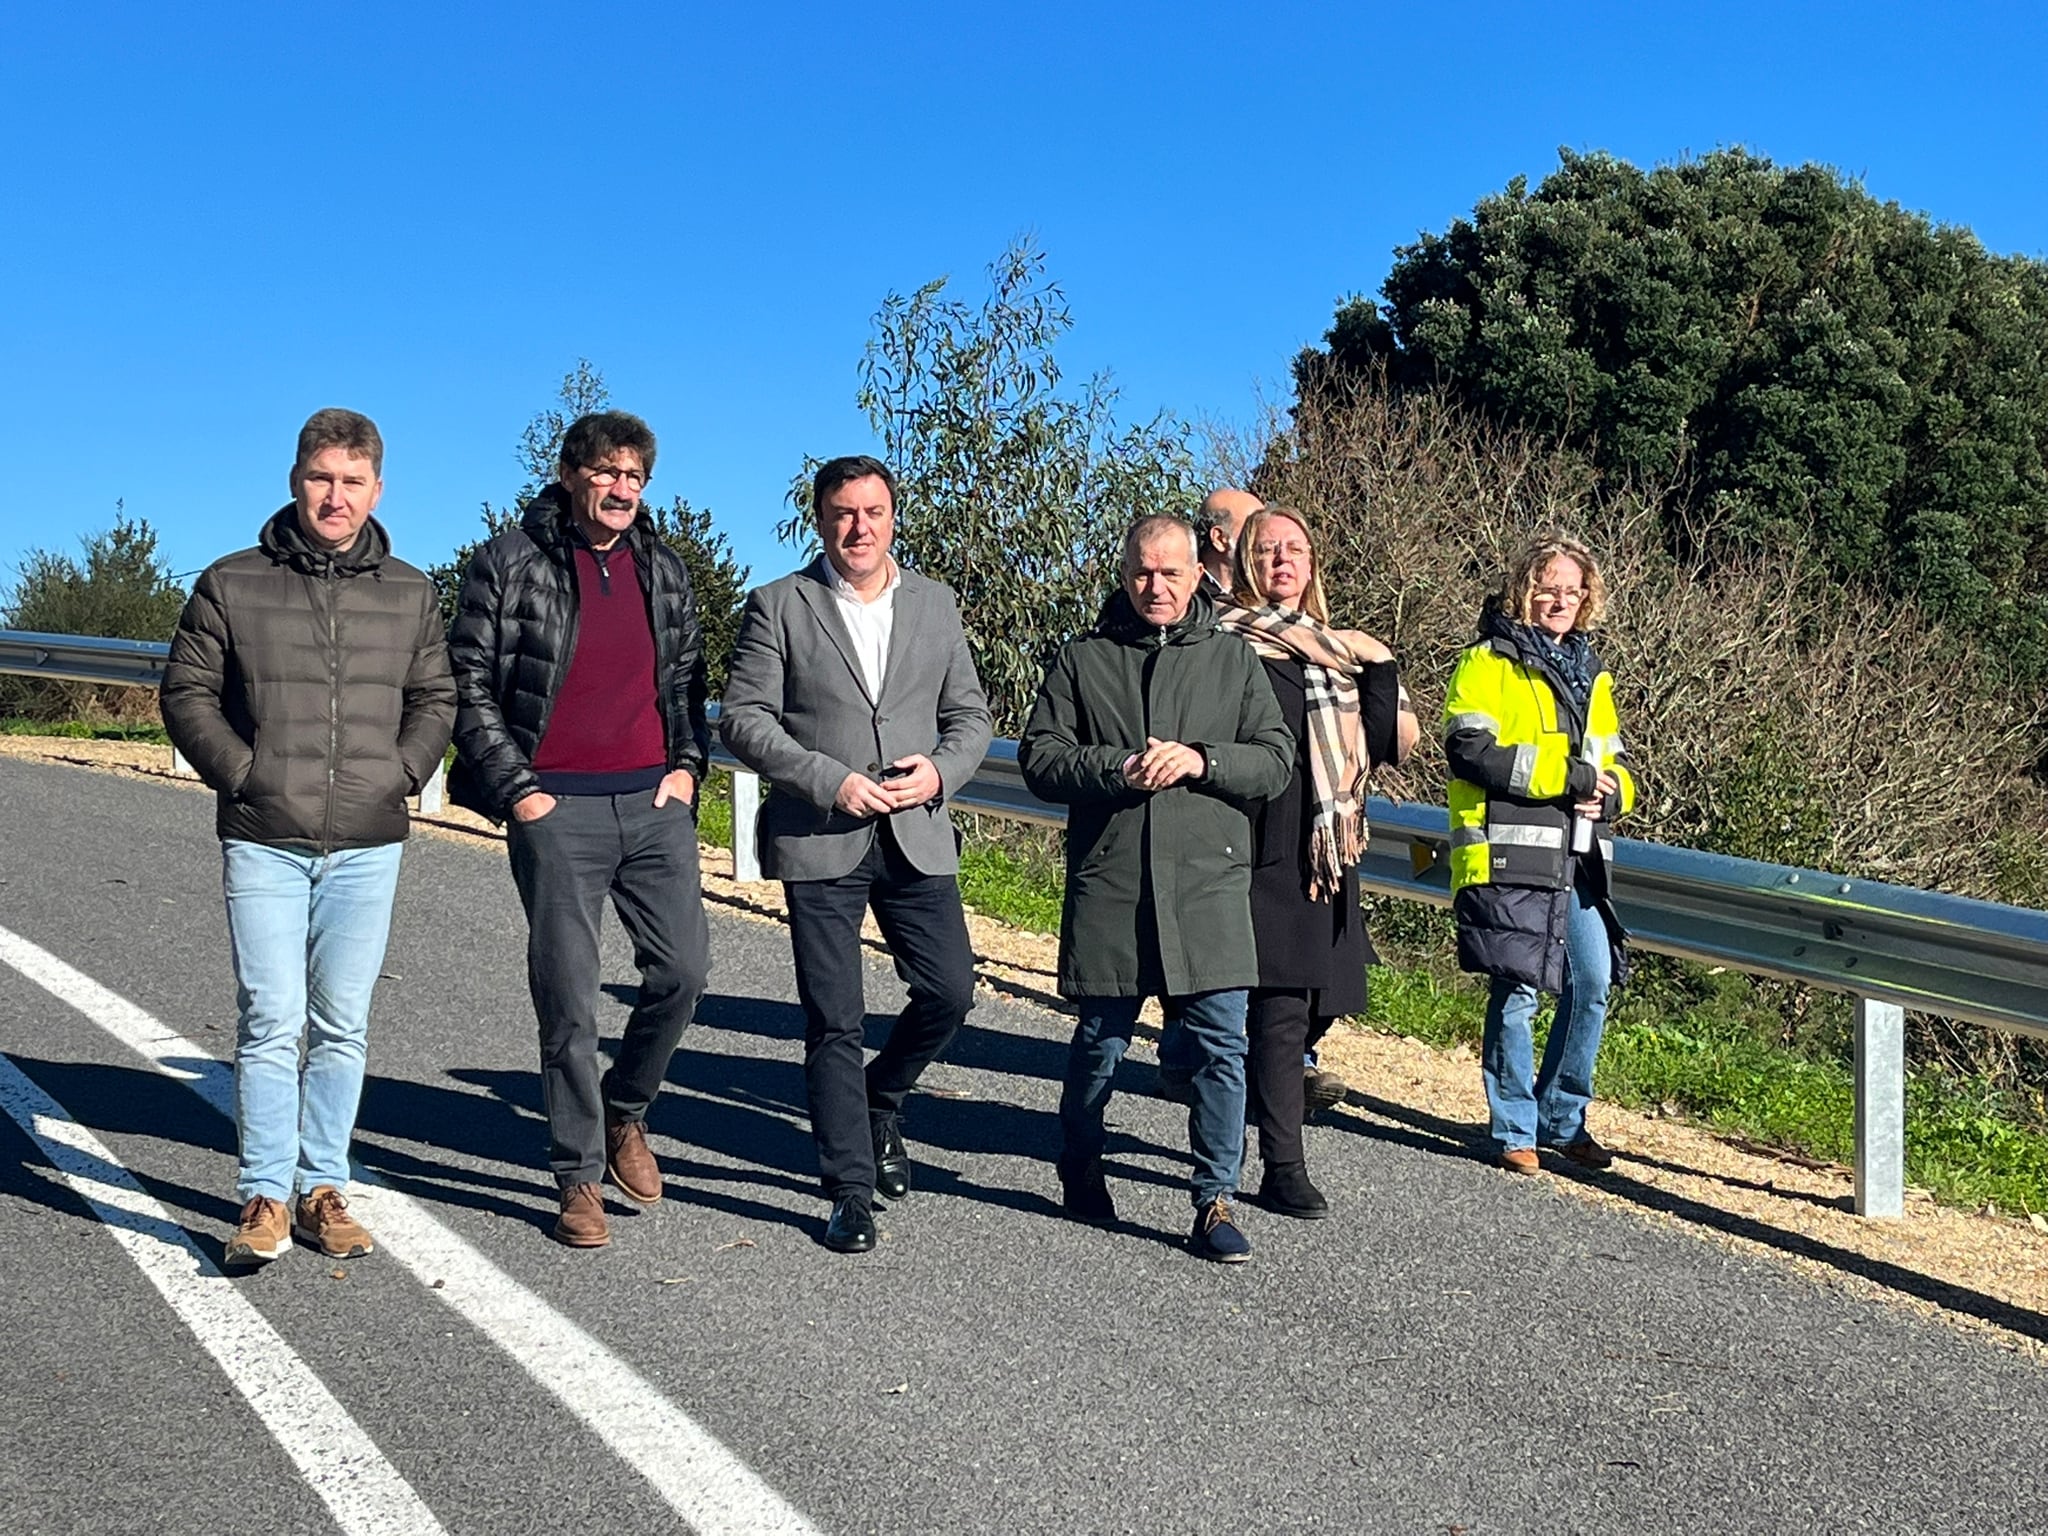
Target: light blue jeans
<point>1552,1111</point>
<point>1212,1037</point>
<point>308,933</point>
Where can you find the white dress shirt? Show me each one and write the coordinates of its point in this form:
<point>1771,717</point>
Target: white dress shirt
<point>870,624</point>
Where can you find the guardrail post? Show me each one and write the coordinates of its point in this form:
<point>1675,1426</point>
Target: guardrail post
<point>180,768</point>
<point>433,793</point>
<point>746,811</point>
<point>1880,1108</point>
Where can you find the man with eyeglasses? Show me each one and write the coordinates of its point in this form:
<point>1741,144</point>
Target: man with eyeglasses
<point>579,672</point>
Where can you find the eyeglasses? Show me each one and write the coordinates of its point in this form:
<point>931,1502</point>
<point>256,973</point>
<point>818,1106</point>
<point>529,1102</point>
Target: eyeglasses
<point>605,474</point>
<point>1571,597</point>
<point>1293,551</point>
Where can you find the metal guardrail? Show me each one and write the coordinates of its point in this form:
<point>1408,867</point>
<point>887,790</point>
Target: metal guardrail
<point>83,658</point>
<point>1889,947</point>
<point>128,663</point>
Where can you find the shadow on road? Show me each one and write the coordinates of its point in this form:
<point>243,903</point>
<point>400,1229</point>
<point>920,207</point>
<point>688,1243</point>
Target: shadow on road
<point>1431,1133</point>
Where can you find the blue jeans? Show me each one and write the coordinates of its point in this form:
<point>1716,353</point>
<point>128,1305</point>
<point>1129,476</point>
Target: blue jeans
<point>1553,1110</point>
<point>1212,1038</point>
<point>308,933</point>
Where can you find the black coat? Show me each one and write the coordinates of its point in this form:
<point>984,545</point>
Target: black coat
<point>513,638</point>
<point>1317,946</point>
<point>310,690</point>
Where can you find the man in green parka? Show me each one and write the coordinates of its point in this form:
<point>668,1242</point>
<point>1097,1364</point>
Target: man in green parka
<point>1158,730</point>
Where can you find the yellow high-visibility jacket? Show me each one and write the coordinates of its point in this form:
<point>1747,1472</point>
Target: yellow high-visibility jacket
<point>1519,760</point>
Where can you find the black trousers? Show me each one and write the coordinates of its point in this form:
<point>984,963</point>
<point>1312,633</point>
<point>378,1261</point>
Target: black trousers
<point>644,858</point>
<point>926,932</point>
<point>1282,1029</point>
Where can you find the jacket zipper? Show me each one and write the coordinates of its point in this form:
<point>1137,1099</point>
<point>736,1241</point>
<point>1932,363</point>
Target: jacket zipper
<point>333,699</point>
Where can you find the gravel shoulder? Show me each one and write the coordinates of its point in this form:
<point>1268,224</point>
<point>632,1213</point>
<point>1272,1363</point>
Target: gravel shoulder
<point>1985,1274</point>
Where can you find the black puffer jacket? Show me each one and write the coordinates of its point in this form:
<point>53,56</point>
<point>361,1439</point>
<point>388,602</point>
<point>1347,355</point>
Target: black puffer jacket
<point>310,690</point>
<point>515,632</point>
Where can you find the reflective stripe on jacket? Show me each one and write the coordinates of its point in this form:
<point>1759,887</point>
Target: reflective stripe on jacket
<point>1518,762</point>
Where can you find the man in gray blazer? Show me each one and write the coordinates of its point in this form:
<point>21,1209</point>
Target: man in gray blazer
<point>852,693</point>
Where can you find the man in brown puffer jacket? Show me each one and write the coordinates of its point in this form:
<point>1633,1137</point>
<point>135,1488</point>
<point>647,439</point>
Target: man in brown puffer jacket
<point>308,684</point>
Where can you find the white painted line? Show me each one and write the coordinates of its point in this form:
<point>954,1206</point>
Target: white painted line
<point>339,1462</point>
<point>704,1483</point>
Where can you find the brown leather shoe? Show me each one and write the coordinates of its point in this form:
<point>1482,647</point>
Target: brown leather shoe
<point>1587,1153</point>
<point>323,1220</point>
<point>582,1223</point>
<point>630,1162</point>
<point>1519,1160</point>
<point>263,1231</point>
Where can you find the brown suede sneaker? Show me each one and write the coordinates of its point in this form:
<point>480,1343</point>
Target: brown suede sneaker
<point>1520,1160</point>
<point>262,1233</point>
<point>632,1164</point>
<point>323,1221</point>
<point>582,1223</point>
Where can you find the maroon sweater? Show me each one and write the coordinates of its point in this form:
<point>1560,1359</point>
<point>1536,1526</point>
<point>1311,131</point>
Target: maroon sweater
<point>604,735</point>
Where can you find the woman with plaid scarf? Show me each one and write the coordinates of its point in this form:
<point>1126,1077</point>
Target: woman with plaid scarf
<point>1342,697</point>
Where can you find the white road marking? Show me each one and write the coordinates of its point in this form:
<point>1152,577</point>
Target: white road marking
<point>704,1483</point>
<point>339,1462</point>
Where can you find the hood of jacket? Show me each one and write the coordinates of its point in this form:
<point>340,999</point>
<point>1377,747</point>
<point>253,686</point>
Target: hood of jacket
<point>284,539</point>
<point>1119,621</point>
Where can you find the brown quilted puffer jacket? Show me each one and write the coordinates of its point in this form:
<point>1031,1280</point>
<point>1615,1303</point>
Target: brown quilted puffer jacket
<point>311,690</point>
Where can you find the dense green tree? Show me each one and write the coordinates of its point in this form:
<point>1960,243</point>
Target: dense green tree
<point>1010,491</point>
<point>1807,364</point>
<point>121,588</point>
<point>719,581</point>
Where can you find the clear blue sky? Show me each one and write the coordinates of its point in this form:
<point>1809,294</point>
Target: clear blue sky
<point>219,219</point>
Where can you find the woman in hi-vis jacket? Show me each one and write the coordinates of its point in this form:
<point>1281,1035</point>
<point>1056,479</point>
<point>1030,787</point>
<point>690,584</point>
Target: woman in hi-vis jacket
<point>1538,777</point>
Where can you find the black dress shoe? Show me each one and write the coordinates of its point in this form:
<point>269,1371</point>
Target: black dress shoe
<point>892,1158</point>
<point>1286,1191</point>
<point>852,1227</point>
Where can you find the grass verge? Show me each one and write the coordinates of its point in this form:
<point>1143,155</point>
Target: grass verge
<point>1711,1060</point>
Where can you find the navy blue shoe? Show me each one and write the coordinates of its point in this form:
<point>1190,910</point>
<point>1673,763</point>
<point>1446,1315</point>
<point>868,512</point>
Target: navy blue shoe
<point>1216,1237</point>
<point>1083,1191</point>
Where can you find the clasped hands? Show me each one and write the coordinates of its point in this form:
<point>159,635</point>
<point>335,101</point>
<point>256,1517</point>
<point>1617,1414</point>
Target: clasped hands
<point>1162,765</point>
<point>911,781</point>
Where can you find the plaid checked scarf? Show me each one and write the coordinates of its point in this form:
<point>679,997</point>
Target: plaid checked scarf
<point>1336,757</point>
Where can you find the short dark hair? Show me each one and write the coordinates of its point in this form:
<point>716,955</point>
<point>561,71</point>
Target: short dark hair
<point>1158,526</point>
<point>844,470</point>
<point>603,433</point>
<point>334,427</point>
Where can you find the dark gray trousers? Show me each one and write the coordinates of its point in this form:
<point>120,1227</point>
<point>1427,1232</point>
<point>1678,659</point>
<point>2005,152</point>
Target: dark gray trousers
<point>565,865</point>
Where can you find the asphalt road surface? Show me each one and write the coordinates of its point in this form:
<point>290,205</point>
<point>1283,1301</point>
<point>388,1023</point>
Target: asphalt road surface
<point>1456,1350</point>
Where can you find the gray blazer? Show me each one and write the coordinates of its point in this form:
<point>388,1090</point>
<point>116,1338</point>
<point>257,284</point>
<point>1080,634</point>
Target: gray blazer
<point>797,711</point>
